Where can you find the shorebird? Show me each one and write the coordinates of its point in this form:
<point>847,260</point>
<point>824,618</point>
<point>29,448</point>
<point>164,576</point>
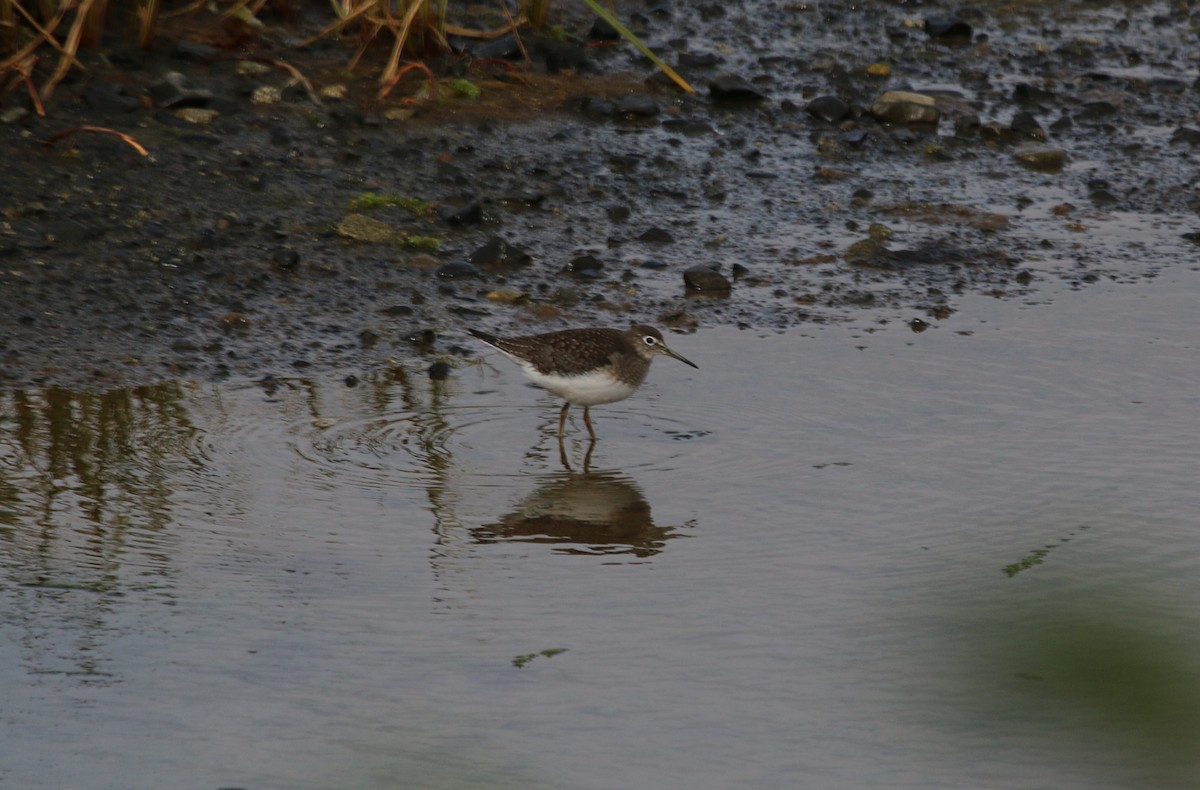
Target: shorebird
<point>585,367</point>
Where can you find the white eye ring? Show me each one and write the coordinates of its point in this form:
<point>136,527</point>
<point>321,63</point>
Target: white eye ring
<point>649,340</point>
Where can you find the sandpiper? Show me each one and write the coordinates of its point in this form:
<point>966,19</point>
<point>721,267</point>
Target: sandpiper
<point>586,367</point>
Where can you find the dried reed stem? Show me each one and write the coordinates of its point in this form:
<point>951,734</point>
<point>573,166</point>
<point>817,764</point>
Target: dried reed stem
<point>54,138</point>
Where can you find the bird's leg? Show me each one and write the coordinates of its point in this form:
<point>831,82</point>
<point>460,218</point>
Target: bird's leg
<point>562,418</point>
<point>562,456</point>
<point>587,420</point>
<point>587,457</point>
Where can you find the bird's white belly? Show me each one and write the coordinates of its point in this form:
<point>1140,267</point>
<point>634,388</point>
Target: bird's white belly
<point>589,389</point>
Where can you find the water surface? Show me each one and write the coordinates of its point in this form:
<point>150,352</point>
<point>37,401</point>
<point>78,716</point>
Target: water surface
<point>827,558</point>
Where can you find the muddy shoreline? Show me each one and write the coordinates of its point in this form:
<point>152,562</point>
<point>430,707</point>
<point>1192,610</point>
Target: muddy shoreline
<point>297,236</point>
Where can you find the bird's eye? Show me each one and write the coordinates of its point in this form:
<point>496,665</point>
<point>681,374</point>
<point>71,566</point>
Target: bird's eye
<point>649,340</point>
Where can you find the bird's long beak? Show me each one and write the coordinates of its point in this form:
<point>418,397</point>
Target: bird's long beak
<point>680,357</point>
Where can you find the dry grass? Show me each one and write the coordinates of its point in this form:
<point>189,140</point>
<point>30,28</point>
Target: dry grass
<point>53,31</point>
<point>41,40</point>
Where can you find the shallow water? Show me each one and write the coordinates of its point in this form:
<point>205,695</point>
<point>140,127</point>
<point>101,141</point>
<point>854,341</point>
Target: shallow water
<point>833,558</point>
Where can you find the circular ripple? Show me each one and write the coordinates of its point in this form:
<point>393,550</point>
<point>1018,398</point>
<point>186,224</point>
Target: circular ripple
<point>489,440</point>
<point>380,450</point>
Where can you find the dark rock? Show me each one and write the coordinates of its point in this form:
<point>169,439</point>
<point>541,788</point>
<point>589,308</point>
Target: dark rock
<point>1102,197</point>
<point>458,270</point>
<point>296,93</point>
<point>967,125</point>
<point>638,105</point>
<point>470,213</point>
<point>347,116</point>
<point>705,278</point>
<point>505,48</point>
<point>285,258</point>
<point>1025,126</point>
<point>624,163</point>
<point>193,51</point>
<point>1168,85</point>
<point>617,213</point>
<point>656,236</point>
<point>599,109</point>
<point>1186,135</point>
<point>948,29</point>
<point>690,127</point>
<point>564,56</point>
<point>439,371</point>
<point>397,310</point>
<point>1024,93</point>
<point>587,266</point>
<point>731,88</point>
<point>1096,110</point>
<point>830,109</point>
<point>422,338</point>
<point>601,30</point>
<point>854,137</point>
<point>350,381</point>
<point>498,253</point>
<point>698,60</point>
<point>1078,51</point>
<point>994,130</point>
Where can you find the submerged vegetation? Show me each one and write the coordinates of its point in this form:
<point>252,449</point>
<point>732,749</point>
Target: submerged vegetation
<point>41,40</point>
<point>372,200</point>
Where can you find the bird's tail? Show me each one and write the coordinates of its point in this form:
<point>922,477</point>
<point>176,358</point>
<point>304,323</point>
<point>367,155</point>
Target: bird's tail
<point>484,336</point>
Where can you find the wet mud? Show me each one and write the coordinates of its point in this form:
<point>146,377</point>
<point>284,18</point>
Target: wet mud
<point>839,162</point>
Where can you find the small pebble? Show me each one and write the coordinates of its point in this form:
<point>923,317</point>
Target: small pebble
<point>830,109</point>
<point>266,94</point>
<point>705,278</point>
<point>730,88</point>
<point>905,107</point>
<point>1039,157</point>
<point>457,270</point>
<point>252,68</point>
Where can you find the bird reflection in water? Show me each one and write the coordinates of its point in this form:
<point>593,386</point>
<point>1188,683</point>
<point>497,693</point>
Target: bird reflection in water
<point>590,513</point>
<point>587,456</point>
